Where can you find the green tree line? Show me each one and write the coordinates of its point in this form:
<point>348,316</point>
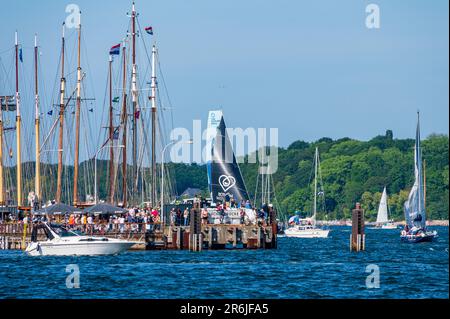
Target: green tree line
<point>352,171</point>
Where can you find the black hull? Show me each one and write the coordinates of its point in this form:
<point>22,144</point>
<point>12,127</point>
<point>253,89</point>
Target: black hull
<point>418,239</point>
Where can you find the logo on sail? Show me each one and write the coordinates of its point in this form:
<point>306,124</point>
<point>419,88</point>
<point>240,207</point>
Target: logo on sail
<point>227,182</point>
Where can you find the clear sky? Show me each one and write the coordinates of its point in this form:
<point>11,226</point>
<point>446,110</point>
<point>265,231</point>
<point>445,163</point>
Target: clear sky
<point>310,68</point>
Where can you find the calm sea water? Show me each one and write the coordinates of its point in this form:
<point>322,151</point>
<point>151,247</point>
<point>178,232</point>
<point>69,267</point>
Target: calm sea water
<point>322,268</point>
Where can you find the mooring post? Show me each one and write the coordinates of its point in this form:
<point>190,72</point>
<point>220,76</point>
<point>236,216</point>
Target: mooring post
<point>358,237</point>
<point>195,240</point>
<point>274,223</point>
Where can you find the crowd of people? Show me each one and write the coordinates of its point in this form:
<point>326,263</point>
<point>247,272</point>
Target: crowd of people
<point>133,221</point>
<point>140,220</point>
<point>219,214</point>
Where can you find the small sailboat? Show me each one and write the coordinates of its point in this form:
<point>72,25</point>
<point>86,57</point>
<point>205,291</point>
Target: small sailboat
<point>383,221</point>
<point>416,230</point>
<point>307,228</point>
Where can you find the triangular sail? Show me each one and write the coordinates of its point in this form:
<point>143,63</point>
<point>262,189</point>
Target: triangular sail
<point>224,176</point>
<point>383,209</point>
<point>415,206</point>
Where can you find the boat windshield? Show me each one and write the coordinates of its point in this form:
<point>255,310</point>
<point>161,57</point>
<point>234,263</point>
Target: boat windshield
<point>64,232</point>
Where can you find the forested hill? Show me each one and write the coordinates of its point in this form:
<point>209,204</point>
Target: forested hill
<point>352,171</point>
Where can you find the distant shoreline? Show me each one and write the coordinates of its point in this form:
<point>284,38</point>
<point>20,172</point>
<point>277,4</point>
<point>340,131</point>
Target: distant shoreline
<point>348,222</point>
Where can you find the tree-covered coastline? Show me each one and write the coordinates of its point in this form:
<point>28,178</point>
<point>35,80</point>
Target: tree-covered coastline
<point>352,171</point>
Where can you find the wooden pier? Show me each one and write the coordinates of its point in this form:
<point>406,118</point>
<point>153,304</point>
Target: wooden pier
<point>207,237</point>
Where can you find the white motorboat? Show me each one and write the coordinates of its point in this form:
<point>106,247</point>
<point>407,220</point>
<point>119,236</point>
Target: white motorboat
<point>63,242</point>
<point>389,225</point>
<point>308,231</point>
<point>307,228</point>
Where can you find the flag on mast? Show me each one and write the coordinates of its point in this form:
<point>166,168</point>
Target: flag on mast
<point>149,30</point>
<point>115,50</point>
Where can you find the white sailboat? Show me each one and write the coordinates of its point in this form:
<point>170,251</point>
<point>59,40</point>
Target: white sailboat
<point>383,221</point>
<point>307,228</point>
<point>68,243</point>
<point>415,214</point>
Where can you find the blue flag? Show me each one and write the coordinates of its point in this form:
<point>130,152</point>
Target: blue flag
<point>20,55</point>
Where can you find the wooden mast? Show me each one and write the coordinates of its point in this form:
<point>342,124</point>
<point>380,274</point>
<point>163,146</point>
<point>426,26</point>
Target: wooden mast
<point>37,181</point>
<point>2,183</point>
<point>77,121</point>
<point>61,121</point>
<point>135,97</point>
<point>111,136</point>
<point>153,192</point>
<point>18,132</point>
<point>124,121</point>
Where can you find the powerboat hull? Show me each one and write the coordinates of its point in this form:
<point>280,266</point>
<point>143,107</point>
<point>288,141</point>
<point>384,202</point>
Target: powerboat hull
<point>307,233</point>
<point>51,248</point>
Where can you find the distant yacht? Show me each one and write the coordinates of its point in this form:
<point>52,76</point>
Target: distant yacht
<point>416,230</point>
<point>307,228</point>
<point>383,221</point>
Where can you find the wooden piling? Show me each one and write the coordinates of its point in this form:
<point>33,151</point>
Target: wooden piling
<point>358,237</point>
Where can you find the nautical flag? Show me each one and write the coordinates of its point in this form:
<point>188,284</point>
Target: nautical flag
<point>50,113</point>
<point>137,115</point>
<point>116,135</point>
<point>116,99</point>
<point>91,110</point>
<point>115,50</point>
<point>149,30</point>
<point>20,55</point>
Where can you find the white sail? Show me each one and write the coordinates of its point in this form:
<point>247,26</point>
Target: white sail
<point>383,209</point>
<point>414,206</point>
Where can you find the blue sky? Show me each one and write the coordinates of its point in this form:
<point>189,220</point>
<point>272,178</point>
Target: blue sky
<point>310,68</point>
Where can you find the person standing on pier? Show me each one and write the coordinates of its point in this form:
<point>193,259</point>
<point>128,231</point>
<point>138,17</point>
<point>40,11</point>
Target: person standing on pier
<point>186,217</point>
<point>204,215</point>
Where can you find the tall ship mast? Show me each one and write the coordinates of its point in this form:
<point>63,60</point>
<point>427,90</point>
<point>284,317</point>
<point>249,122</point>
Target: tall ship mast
<point>135,98</point>
<point>37,182</point>
<point>112,177</point>
<point>61,120</point>
<point>18,130</point>
<point>154,195</point>
<point>77,121</point>
<point>124,120</point>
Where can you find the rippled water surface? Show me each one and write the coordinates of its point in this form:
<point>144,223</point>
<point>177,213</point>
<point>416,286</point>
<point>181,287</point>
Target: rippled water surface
<point>299,268</point>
